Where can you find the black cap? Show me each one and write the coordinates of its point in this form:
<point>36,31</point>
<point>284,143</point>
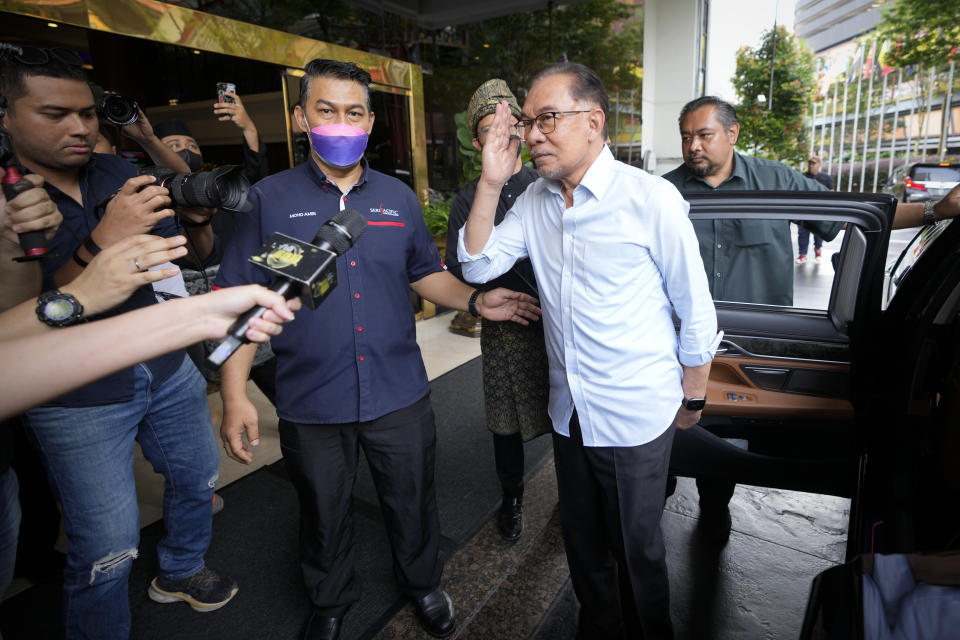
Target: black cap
<point>171,128</point>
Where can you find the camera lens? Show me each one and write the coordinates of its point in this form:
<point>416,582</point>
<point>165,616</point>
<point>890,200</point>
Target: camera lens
<point>118,110</point>
<point>225,187</point>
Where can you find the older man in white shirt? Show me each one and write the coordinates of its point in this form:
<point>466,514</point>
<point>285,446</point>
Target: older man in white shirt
<point>615,256</point>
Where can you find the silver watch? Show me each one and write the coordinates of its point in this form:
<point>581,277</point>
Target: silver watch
<point>928,216</point>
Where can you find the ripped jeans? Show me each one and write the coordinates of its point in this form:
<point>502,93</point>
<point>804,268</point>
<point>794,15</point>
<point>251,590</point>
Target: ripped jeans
<point>88,456</point>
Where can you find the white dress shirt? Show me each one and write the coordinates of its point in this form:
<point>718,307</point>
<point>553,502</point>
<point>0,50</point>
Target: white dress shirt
<point>610,270</point>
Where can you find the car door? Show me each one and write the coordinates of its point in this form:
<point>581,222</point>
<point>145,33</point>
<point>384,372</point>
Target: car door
<point>781,395</point>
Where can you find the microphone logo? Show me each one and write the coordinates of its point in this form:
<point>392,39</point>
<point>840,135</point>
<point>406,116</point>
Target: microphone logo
<point>282,256</point>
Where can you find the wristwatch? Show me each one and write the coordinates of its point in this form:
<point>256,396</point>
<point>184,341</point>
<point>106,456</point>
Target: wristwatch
<point>472,304</point>
<point>59,309</point>
<point>694,404</point>
<point>928,216</point>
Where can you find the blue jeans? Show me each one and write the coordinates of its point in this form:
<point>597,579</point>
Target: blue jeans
<point>803,241</point>
<point>88,456</point>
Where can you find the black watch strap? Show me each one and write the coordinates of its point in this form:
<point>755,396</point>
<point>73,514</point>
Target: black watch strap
<point>694,404</point>
<point>58,309</point>
<point>472,304</point>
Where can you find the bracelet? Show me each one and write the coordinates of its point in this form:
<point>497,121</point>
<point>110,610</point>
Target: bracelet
<point>80,261</point>
<point>187,223</point>
<point>91,246</point>
<point>472,304</point>
<point>929,217</point>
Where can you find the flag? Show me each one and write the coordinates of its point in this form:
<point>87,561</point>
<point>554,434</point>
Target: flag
<point>884,69</point>
<point>868,63</point>
<point>855,66</point>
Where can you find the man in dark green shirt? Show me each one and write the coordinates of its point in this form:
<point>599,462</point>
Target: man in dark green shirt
<point>745,260</point>
<point>751,260</point>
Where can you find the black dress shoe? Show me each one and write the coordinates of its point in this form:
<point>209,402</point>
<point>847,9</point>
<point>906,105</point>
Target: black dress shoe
<point>510,518</point>
<point>435,611</point>
<point>320,627</point>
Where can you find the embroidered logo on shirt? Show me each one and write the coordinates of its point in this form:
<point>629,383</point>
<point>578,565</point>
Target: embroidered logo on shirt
<point>303,214</point>
<point>386,212</point>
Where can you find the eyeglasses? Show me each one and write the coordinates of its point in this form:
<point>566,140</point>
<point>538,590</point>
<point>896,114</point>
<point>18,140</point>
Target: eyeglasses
<point>546,122</point>
<point>31,55</point>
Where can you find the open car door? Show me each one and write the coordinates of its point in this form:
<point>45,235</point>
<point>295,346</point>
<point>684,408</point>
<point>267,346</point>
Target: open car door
<point>781,381</point>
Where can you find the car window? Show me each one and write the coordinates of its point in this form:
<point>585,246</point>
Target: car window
<point>900,264</point>
<point>936,174</point>
<point>759,261</point>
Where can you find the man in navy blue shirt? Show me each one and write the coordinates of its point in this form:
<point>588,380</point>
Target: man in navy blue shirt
<point>86,437</point>
<point>350,374</point>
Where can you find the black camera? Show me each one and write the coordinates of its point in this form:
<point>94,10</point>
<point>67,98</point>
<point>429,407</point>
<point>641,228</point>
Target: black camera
<point>118,110</point>
<point>223,188</point>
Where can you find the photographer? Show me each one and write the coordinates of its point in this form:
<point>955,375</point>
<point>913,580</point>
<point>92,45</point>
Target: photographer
<point>122,113</point>
<point>86,437</point>
<point>179,138</point>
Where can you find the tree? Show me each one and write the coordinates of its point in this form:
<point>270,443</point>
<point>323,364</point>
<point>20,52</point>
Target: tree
<point>776,133</point>
<point>921,34</point>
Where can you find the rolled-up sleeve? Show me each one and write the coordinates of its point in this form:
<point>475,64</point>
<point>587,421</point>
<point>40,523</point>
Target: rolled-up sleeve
<point>677,253</point>
<point>503,248</point>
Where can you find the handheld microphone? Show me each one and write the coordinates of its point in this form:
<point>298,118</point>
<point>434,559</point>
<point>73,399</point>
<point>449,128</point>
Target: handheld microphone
<point>300,268</point>
<point>33,243</point>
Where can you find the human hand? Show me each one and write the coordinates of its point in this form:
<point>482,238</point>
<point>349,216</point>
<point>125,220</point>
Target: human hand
<point>239,418</point>
<point>119,270</point>
<point>196,215</point>
<point>137,208</point>
<point>222,307</point>
<point>30,210</point>
<point>949,205</point>
<point>503,304</point>
<point>234,111</point>
<point>686,418</point>
<point>499,154</point>
<point>141,130</point>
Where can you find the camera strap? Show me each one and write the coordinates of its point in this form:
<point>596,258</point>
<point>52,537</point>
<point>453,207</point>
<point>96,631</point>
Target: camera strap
<point>102,205</point>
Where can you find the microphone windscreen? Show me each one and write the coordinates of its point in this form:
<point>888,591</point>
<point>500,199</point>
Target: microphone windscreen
<point>342,231</point>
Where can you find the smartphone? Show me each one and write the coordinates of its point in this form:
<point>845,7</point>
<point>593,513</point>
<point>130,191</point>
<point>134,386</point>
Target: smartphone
<point>223,88</point>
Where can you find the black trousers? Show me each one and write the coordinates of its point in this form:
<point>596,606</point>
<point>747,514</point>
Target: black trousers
<point>508,458</point>
<point>611,500</point>
<point>321,459</point>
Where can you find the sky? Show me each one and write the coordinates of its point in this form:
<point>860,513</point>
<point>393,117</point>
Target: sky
<point>733,24</point>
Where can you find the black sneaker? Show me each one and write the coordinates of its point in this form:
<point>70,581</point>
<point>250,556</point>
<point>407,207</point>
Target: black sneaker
<point>203,591</point>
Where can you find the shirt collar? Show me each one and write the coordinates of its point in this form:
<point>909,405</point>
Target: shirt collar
<point>321,177</point>
<point>596,180</point>
<point>739,171</point>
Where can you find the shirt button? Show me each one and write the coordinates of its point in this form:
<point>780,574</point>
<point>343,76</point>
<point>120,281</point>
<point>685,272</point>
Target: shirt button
<point>718,274</point>
<point>344,198</point>
<point>324,186</point>
<point>361,358</point>
<point>359,328</point>
<point>719,245</point>
<point>356,295</point>
<point>353,263</point>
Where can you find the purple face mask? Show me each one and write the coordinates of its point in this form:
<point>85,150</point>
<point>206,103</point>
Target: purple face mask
<point>339,145</point>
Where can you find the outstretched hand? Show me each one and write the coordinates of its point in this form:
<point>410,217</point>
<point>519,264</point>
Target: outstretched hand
<point>499,155</point>
<point>224,306</point>
<point>122,268</point>
<point>503,304</point>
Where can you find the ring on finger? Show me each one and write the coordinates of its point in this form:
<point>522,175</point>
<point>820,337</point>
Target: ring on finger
<point>136,263</point>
